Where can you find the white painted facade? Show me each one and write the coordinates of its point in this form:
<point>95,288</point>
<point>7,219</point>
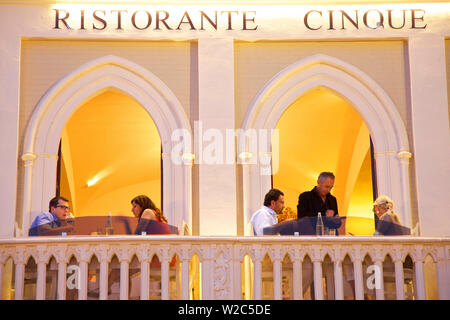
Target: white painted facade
<point>427,103</point>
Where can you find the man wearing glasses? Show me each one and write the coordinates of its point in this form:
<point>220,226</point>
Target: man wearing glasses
<point>55,221</point>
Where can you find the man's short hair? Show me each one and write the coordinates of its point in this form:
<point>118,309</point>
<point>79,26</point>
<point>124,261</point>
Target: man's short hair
<point>54,202</point>
<point>324,175</point>
<point>273,194</point>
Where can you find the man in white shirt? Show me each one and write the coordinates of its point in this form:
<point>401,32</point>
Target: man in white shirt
<point>267,215</point>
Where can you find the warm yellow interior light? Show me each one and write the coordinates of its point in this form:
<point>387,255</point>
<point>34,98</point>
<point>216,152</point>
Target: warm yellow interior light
<point>93,181</point>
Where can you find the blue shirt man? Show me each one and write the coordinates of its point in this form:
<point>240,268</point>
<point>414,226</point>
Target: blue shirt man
<point>53,222</point>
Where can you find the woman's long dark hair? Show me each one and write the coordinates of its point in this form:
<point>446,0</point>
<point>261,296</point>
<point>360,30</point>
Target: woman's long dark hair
<point>146,203</point>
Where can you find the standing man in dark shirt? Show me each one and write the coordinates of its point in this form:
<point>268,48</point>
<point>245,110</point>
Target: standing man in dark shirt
<point>319,199</point>
<point>310,203</point>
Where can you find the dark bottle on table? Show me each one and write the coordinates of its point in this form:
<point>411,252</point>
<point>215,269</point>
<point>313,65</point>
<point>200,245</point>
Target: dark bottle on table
<point>109,230</point>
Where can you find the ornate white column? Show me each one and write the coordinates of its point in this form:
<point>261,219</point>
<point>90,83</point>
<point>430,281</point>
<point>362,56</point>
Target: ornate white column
<point>39,185</point>
<point>405,214</point>
<point>393,181</point>
<point>28,162</point>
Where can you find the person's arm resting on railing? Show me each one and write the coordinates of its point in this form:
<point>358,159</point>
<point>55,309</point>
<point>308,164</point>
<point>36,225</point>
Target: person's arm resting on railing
<point>47,230</point>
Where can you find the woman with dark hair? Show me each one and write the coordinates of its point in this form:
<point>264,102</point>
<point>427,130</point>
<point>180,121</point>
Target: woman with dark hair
<point>144,209</point>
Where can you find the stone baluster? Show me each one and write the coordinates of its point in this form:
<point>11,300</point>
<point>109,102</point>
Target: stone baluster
<point>358,273</point>
<point>317,263</point>
<point>144,256</point>
<point>257,276</point>
<point>41,272</point>
<point>397,258</point>
<point>399,279</point>
<point>297,277</point>
<point>420,276</point>
<point>277,278</point>
<point>62,260</point>
<point>185,272</point>
<point>103,255</point>
<point>338,276</point>
<point>379,289</point>
<point>237,285</point>
<point>19,260</point>
<point>123,254</point>
<point>83,256</point>
<point>207,275</point>
<point>164,254</point>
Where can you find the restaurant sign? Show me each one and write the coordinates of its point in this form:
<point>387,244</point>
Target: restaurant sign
<point>227,20</point>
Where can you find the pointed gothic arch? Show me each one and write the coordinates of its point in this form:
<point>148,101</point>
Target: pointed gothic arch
<point>372,103</point>
<point>80,85</point>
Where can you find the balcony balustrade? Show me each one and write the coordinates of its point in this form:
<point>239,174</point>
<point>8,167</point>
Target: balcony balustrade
<point>200,267</point>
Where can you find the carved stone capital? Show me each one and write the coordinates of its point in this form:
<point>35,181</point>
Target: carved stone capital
<point>404,156</point>
<point>28,159</point>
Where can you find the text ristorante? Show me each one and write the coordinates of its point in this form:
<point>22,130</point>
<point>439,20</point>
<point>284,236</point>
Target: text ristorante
<point>154,20</point>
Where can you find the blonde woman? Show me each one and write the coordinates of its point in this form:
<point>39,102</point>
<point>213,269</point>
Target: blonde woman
<point>383,207</point>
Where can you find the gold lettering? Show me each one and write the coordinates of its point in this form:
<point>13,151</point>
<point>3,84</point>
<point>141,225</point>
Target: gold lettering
<point>305,19</point>
<point>149,20</point>
<point>380,23</point>
<point>96,17</point>
<point>186,15</point>
<point>353,22</point>
<point>244,20</point>
<point>119,18</point>
<point>203,15</point>
<point>229,18</point>
<point>414,18</point>
<point>158,20</point>
<point>330,13</point>
<point>390,20</point>
<point>58,19</point>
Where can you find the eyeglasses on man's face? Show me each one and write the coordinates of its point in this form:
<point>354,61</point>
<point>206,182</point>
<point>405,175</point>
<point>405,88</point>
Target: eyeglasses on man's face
<point>63,207</point>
